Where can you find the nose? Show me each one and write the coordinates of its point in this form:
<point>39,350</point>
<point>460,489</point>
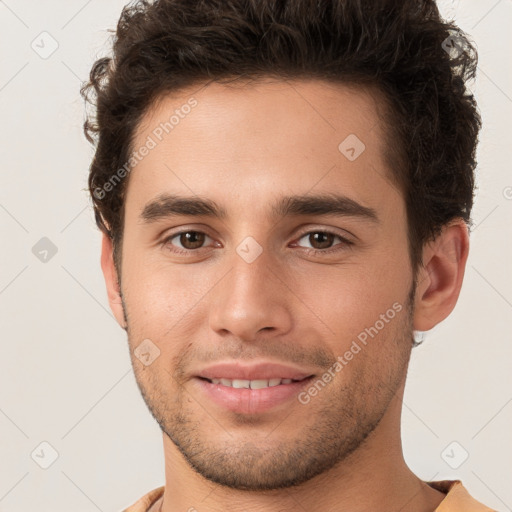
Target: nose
<point>251,299</point>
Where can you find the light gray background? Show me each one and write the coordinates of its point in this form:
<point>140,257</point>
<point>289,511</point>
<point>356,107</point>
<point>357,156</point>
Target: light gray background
<point>65,373</point>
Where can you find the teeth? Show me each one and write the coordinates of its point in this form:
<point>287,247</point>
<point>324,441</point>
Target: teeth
<point>259,384</point>
<point>239,383</point>
<point>251,384</point>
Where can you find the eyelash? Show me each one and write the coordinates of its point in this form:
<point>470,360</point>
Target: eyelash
<point>345,242</point>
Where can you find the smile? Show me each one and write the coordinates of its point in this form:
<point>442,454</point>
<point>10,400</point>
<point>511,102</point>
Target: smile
<point>250,396</point>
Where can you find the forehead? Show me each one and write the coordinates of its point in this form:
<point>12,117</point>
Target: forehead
<point>260,140</point>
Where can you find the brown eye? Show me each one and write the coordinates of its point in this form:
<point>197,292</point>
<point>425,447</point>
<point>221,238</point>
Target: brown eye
<point>191,239</point>
<point>321,240</point>
<point>185,241</point>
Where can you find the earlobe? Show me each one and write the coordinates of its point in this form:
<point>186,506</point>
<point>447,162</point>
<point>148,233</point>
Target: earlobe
<point>440,279</point>
<point>111,280</point>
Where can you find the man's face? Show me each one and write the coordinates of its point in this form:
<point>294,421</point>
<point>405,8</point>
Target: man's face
<point>246,288</point>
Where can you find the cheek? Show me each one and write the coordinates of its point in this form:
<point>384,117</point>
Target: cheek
<point>351,298</point>
<point>160,298</point>
<point>364,317</point>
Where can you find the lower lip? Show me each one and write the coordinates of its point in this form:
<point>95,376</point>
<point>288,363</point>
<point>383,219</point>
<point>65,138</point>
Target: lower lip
<point>250,401</point>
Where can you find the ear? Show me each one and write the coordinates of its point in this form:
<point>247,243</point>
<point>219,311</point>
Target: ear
<point>440,279</point>
<point>111,280</point>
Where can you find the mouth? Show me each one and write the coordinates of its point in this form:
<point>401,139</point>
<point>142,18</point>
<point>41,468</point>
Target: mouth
<point>253,384</point>
<point>251,396</point>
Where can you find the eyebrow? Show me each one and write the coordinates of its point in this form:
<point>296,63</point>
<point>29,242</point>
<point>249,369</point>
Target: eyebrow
<point>167,205</point>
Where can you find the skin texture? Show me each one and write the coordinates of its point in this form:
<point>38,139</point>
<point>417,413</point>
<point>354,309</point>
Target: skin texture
<point>244,147</point>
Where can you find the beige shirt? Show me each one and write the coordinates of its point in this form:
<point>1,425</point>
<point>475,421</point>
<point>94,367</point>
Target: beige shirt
<point>457,499</point>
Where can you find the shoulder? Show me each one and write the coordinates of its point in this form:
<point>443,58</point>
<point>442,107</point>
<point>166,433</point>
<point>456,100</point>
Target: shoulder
<point>457,498</point>
<point>143,504</point>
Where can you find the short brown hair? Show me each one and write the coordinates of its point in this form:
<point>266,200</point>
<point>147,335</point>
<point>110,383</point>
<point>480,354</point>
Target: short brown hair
<point>420,62</point>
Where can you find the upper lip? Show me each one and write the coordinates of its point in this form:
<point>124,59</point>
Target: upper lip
<point>259,371</point>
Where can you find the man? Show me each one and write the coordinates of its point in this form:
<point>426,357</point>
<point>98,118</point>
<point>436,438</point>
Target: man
<point>284,190</point>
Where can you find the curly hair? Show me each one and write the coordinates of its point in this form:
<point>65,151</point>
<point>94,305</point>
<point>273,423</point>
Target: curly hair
<point>420,62</point>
